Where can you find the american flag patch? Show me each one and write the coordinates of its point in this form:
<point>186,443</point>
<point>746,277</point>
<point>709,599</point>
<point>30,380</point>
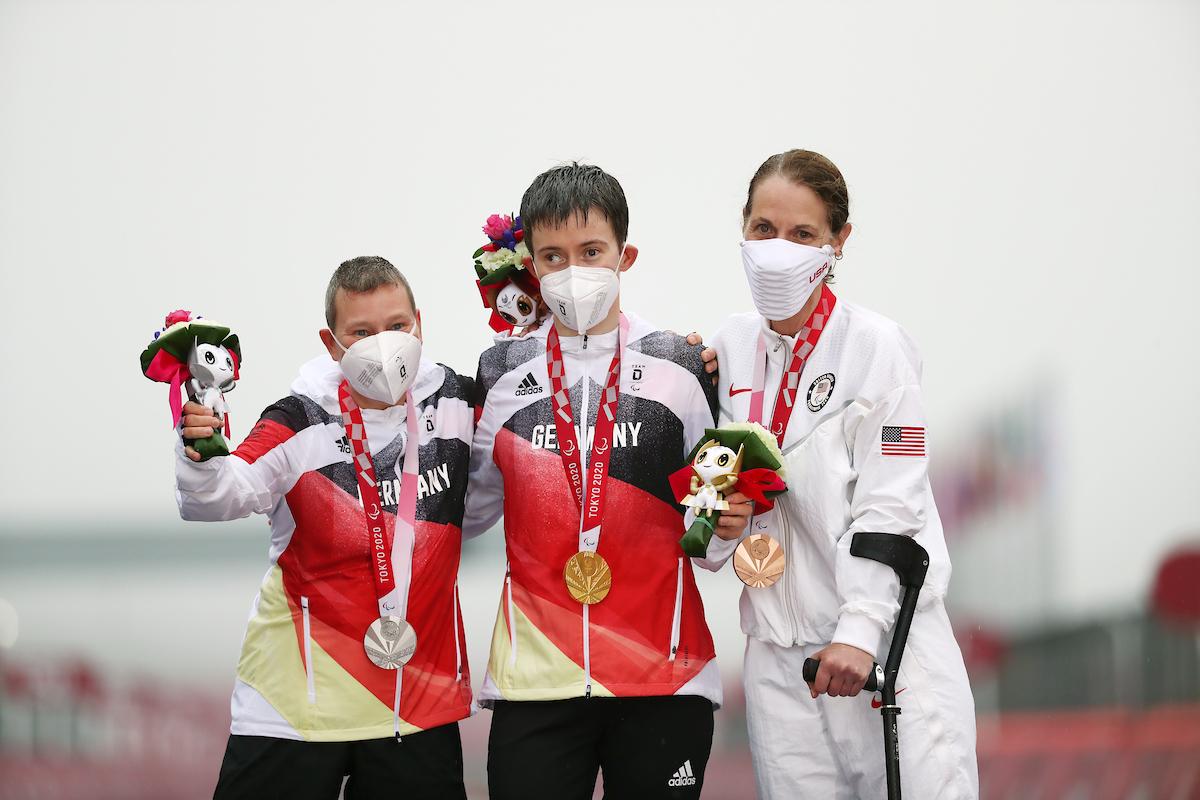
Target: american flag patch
<point>903,441</point>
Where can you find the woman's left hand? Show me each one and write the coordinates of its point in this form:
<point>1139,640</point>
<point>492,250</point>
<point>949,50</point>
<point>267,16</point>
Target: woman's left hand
<point>707,355</point>
<point>843,672</point>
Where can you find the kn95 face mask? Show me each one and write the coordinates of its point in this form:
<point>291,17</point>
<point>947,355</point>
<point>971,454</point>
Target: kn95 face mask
<point>382,367</point>
<point>581,296</point>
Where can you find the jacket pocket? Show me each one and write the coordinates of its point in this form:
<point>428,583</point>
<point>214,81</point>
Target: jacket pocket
<point>678,612</point>
<point>308,662</point>
<point>512,627</point>
<point>821,480</point>
<point>457,643</point>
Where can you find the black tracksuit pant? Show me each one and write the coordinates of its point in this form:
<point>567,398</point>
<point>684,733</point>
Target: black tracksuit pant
<point>428,764</point>
<point>646,747</point>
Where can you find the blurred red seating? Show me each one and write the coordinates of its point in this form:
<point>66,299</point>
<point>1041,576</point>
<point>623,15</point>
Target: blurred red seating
<point>1106,754</point>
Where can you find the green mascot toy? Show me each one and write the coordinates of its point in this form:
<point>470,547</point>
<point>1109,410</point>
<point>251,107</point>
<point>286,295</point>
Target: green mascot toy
<point>738,457</point>
<point>203,357</point>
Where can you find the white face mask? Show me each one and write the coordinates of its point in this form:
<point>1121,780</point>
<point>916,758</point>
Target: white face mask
<point>782,274</point>
<point>382,367</point>
<point>581,296</point>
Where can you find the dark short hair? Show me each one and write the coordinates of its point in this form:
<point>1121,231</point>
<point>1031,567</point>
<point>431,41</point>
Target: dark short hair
<point>571,190</point>
<point>363,274</point>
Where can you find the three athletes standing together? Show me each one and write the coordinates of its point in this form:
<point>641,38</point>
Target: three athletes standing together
<point>379,462</point>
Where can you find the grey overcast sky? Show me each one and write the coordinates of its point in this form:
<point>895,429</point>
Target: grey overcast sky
<point>1024,177</point>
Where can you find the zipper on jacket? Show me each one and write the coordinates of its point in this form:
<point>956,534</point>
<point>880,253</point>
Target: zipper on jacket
<point>308,663</point>
<point>678,612</point>
<point>587,654</point>
<point>457,644</point>
<point>585,446</point>
<point>785,536</point>
<point>512,622</point>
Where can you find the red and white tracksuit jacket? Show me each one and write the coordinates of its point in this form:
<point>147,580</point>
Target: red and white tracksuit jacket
<point>303,673</point>
<point>648,637</point>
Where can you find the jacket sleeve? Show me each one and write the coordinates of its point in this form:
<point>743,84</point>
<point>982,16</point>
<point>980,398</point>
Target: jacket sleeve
<point>719,550</point>
<point>891,495</point>
<point>723,398</point>
<point>250,480</point>
<point>699,412</point>
<point>698,405</point>
<point>485,483</point>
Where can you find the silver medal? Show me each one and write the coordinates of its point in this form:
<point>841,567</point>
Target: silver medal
<point>390,642</point>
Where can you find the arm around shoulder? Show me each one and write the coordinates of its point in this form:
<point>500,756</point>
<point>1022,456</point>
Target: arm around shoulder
<point>485,483</point>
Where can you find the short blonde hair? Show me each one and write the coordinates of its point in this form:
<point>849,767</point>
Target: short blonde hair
<point>363,274</point>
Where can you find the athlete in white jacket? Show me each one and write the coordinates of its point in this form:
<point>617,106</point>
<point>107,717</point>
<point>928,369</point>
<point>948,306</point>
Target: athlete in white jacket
<point>840,387</point>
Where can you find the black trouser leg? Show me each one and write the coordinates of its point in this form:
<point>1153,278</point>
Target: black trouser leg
<point>421,766</point>
<point>266,768</point>
<point>544,749</point>
<point>656,747</point>
<point>647,747</point>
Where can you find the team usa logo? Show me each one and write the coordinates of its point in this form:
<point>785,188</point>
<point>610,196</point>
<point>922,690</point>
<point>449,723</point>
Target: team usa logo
<point>819,391</point>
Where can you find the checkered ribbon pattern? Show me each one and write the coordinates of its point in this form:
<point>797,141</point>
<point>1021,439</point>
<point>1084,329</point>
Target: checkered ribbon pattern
<point>390,595</point>
<point>564,421</point>
<point>806,342</point>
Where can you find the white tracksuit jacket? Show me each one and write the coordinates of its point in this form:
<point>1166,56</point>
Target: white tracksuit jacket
<point>862,377</point>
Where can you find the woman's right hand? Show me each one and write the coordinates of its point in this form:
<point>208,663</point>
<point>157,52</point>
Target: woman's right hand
<point>197,422</point>
<point>733,522</point>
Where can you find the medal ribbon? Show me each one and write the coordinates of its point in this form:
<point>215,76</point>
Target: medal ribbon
<point>789,385</point>
<point>590,497</point>
<point>391,588</point>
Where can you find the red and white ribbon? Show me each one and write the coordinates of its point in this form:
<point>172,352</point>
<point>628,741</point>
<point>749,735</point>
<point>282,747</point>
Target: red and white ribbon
<point>590,493</point>
<point>391,562</point>
<point>789,384</point>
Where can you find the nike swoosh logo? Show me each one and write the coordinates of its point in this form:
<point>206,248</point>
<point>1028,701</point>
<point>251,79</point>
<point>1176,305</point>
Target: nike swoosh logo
<point>733,391</point>
<point>878,704</point>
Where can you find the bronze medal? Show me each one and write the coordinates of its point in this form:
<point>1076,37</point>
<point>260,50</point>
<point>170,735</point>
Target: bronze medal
<point>758,561</point>
<point>390,642</point>
<point>588,578</point>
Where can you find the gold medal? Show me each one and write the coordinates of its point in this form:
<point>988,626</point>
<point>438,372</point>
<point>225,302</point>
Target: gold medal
<point>587,576</point>
<point>758,561</point>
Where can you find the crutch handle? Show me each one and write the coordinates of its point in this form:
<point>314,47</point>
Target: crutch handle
<point>874,680</point>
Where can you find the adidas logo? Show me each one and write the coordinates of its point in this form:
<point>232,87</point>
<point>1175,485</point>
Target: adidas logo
<point>683,776</point>
<point>529,386</point>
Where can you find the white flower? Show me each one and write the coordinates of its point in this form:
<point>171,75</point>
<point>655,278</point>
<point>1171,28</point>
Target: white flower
<point>765,436</point>
<point>494,261</point>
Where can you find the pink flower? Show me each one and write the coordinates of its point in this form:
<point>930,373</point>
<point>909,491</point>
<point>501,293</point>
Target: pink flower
<point>178,316</point>
<point>496,225</point>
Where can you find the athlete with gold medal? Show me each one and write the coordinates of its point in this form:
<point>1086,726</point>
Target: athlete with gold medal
<point>601,659</point>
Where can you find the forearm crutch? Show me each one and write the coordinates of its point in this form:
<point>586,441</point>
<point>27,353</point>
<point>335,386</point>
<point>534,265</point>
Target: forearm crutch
<point>910,561</point>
